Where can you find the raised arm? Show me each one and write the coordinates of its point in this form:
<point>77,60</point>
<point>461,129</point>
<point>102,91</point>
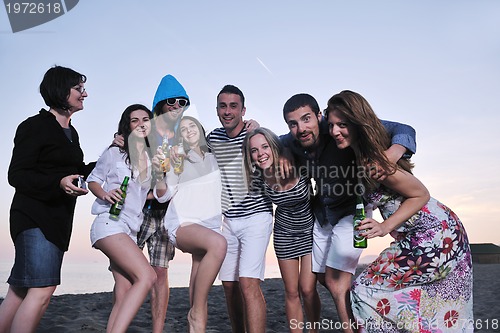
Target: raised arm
<point>403,139</point>
<point>165,184</point>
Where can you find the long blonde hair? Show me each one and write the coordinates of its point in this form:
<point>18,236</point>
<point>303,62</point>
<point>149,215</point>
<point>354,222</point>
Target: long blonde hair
<point>274,144</point>
<point>372,136</point>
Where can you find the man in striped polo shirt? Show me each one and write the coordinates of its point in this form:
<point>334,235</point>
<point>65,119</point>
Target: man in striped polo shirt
<point>247,223</point>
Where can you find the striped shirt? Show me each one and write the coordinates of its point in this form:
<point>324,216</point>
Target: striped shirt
<point>237,200</point>
<point>293,221</point>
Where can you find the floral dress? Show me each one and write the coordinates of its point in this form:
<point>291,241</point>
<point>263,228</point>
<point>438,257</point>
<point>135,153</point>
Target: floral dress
<point>423,281</point>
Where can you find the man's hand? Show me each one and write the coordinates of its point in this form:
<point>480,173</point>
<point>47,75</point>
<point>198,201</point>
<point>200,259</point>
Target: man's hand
<point>157,160</point>
<point>286,164</point>
<point>251,124</point>
<point>393,153</point>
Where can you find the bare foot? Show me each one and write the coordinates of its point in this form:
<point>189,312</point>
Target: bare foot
<point>194,325</point>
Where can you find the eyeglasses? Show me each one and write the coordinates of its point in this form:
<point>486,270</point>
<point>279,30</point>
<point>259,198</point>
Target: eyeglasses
<point>181,101</point>
<point>80,89</point>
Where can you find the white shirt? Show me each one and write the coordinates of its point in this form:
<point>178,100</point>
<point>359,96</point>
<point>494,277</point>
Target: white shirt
<point>195,194</point>
<point>109,172</point>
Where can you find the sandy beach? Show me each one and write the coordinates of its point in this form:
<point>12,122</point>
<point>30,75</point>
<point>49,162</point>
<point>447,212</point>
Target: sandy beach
<point>89,312</point>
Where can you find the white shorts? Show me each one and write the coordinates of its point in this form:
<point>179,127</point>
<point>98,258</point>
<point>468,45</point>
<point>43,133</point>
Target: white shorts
<point>103,226</point>
<point>247,241</point>
<point>333,247</point>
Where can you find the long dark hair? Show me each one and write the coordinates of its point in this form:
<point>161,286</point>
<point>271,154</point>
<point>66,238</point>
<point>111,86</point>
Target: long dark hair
<point>373,138</point>
<point>203,140</point>
<point>125,130</point>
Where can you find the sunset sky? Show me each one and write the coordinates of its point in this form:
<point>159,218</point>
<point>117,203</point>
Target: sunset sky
<point>432,65</point>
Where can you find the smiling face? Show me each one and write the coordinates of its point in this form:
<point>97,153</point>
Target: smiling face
<point>190,132</point>
<point>341,130</point>
<point>230,111</point>
<point>76,96</point>
<point>260,151</point>
<point>172,112</point>
<point>140,124</point>
<point>304,126</point>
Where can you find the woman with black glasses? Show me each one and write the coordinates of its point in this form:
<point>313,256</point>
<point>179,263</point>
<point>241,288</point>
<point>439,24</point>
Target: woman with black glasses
<point>46,164</point>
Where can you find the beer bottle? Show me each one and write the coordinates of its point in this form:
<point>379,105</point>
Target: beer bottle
<point>359,241</point>
<point>179,165</point>
<point>116,208</point>
<point>165,148</point>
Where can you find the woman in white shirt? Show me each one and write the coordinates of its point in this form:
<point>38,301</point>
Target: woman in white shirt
<point>194,217</point>
<point>116,237</point>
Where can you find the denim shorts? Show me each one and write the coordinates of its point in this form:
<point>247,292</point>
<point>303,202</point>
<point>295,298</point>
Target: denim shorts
<point>37,261</point>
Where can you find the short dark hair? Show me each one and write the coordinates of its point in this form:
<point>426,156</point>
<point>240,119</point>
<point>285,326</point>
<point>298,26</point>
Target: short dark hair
<point>298,101</point>
<point>230,89</point>
<point>56,85</point>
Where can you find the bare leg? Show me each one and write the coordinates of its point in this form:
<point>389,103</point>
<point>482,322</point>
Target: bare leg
<point>120,289</point>
<point>235,309</point>
<point>195,262</point>
<point>293,307</point>
<point>321,279</point>
<point>31,309</point>
<point>339,283</point>
<point>309,292</point>
<point>208,249</point>
<point>129,261</point>
<point>160,294</point>
<point>255,304</point>
<point>9,307</point>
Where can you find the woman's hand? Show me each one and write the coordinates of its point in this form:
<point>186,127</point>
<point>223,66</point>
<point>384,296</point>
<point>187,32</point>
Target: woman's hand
<point>371,228</point>
<point>66,184</point>
<point>112,196</point>
<point>118,140</point>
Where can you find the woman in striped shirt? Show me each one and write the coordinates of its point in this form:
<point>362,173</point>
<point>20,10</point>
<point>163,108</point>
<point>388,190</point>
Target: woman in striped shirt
<point>293,225</point>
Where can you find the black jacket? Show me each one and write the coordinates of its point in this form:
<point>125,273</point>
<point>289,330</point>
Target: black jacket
<point>42,156</point>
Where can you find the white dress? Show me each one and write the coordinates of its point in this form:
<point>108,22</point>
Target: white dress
<point>195,194</point>
<point>109,172</point>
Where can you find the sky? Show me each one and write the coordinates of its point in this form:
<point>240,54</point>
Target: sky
<point>434,65</point>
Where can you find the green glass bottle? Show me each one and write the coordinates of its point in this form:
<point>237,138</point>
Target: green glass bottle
<point>359,241</point>
<point>116,208</point>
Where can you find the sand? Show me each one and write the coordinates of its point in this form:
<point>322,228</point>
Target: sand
<point>89,312</point>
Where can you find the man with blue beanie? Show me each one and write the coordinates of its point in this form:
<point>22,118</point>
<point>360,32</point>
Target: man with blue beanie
<point>169,103</point>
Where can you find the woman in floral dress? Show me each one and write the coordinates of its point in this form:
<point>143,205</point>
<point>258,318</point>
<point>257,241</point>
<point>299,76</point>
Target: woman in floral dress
<point>423,281</point>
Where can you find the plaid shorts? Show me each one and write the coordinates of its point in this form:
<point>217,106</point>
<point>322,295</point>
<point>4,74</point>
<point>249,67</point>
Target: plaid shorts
<point>152,232</point>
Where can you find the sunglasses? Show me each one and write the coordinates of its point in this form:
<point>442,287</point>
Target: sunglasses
<point>181,101</point>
